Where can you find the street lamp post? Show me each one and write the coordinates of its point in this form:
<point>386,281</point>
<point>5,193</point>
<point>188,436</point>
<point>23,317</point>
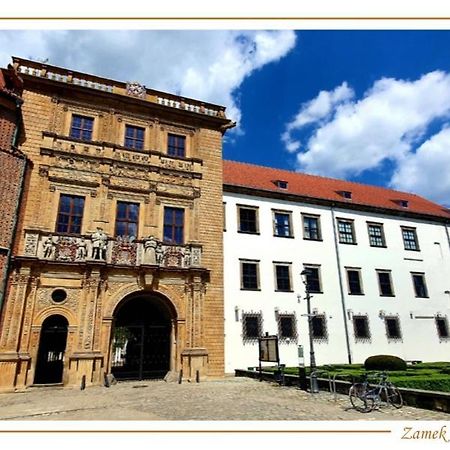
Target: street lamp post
<point>312,356</point>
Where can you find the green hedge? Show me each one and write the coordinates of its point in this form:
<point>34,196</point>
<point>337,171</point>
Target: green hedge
<point>427,383</point>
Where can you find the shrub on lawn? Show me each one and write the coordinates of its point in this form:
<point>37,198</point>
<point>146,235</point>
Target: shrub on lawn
<point>384,362</point>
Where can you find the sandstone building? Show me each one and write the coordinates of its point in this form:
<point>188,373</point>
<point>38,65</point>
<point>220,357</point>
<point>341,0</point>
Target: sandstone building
<point>118,261</point>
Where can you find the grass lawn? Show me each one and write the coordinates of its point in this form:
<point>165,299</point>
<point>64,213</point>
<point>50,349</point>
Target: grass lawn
<point>427,376</point>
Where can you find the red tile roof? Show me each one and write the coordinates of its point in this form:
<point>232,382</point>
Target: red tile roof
<point>316,187</point>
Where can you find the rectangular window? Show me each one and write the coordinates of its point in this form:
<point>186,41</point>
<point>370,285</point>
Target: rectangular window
<point>251,326</point>
<point>410,238</point>
<point>346,231</point>
<point>173,225</point>
<point>420,287</point>
<point>442,327</point>
<point>282,224</point>
<point>313,279</point>
<point>376,235</point>
<point>176,145</point>
<point>283,277</point>
<point>134,137</point>
<point>385,283</point>
<point>248,219</point>
<point>311,228</point>
<point>127,217</point>
<point>249,275</point>
<point>81,127</point>
<point>70,214</point>
<point>354,281</point>
<point>361,327</point>
<point>319,327</point>
<point>286,326</point>
<point>392,328</point>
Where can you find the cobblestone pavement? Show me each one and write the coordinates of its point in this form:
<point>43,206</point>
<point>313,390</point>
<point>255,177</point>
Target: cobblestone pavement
<point>226,399</point>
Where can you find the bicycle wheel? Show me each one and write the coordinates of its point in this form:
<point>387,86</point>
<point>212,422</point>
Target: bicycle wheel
<point>358,398</point>
<point>394,397</point>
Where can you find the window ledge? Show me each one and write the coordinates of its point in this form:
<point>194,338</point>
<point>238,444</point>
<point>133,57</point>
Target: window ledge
<point>386,295</point>
<point>310,239</point>
<point>348,243</point>
<point>378,246</point>
<point>424,296</point>
<point>249,232</point>
<point>250,289</point>
<point>280,236</point>
<point>284,290</point>
<point>356,293</point>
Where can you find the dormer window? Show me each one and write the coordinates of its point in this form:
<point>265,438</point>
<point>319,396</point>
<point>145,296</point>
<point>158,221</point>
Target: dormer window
<point>345,194</point>
<point>403,203</point>
<point>281,184</point>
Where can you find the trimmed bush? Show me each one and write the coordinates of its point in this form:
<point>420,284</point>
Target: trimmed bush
<point>384,362</point>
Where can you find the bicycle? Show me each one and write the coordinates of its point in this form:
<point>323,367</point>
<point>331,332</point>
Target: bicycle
<point>364,397</point>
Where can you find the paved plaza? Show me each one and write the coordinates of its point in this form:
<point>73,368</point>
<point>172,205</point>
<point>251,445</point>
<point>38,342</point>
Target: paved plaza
<point>225,399</point>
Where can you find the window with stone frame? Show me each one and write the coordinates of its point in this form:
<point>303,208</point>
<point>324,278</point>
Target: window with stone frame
<point>376,234</point>
<point>283,277</point>
<point>442,327</point>
<point>311,227</point>
<point>176,145</point>
<point>287,327</point>
<point>81,127</point>
<point>410,239</point>
<point>385,283</point>
<point>393,330</point>
<point>313,279</point>
<point>354,281</point>
<point>70,214</point>
<point>251,326</point>
<point>319,327</point>
<point>420,287</point>
<point>282,224</point>
<point>361,328</point>
<point>346,231</point>
<point>127,219</point>
<point>248,219</point>
<point>134,137</point>
<point>173,225</point>
<point>249,274</point>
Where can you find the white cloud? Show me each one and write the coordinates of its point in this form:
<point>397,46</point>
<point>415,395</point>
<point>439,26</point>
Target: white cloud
<point>207,65</point>
<point>315,111</point>
<point>358,135</point>
<point>426,171</point>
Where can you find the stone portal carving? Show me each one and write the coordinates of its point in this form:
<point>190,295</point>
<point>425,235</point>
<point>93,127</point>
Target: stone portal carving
<point>136,89</point>
<point>124,251</point>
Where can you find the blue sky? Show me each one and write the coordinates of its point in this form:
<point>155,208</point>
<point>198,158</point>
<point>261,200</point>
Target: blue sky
<point>369,106</point>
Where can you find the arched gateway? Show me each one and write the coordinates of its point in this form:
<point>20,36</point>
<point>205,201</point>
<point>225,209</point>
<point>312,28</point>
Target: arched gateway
<point>142,337</point>
<point>52,346</point>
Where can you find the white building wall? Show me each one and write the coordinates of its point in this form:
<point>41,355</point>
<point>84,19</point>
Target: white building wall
<point>420,339</point>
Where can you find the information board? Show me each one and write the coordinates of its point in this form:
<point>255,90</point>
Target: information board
<point>268,349</point>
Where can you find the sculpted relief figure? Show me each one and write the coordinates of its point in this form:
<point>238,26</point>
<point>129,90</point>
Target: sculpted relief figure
<point>159,253</point>
<point>150,245</point>
<point>49,246</point>
<point>99,240</point>
<point>81,249</point>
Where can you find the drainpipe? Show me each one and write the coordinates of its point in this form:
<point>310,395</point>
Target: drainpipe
<point>446,232</point>
<point>341,287</point>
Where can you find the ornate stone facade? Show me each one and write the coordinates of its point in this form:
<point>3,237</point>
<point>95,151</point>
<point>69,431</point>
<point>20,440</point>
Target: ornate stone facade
<point>76,284</point>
